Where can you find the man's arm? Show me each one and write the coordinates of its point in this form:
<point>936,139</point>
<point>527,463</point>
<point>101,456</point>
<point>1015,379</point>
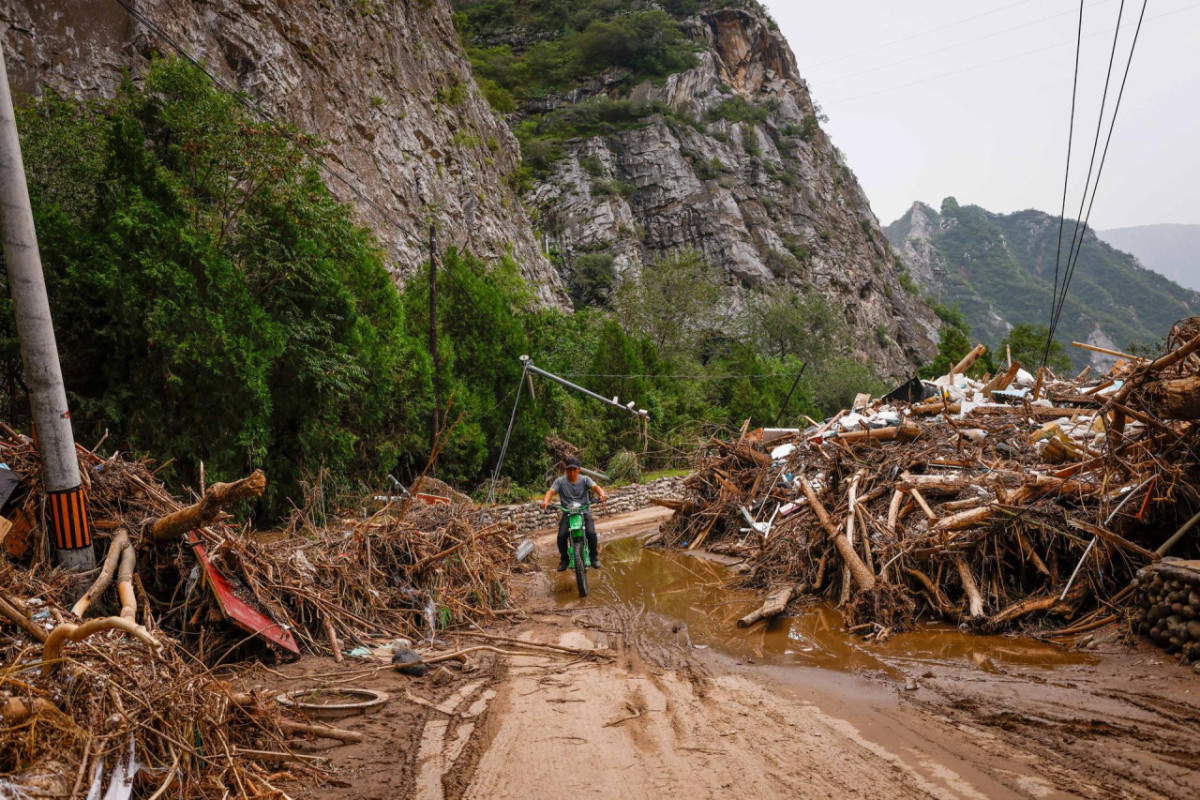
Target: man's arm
<point>549,495</point>
<point>598,489</point>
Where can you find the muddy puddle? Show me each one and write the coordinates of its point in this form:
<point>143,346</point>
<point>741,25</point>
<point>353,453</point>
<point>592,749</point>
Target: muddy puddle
<point>696,592</point>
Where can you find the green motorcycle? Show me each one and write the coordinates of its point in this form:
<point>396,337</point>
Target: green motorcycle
<point>578,557</point>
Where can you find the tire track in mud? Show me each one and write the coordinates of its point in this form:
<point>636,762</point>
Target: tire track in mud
<point>631,729</point>
<point>1097,741</point>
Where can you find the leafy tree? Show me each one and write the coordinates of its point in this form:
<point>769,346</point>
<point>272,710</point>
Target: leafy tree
<point>1028,345</point>
<point>592,279</point>
<point>672,300</point>
<point>953,345</point>
<point>785,323</point>
<point>212,300</point>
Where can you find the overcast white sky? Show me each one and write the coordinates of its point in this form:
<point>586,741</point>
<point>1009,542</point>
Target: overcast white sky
<point>995,134</point>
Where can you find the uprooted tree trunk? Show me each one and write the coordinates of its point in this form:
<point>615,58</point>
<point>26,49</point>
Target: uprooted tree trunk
<point>121,560</point>
<point>70,632</point>
<point>216,498</point>
<point>775,605</point>
<point>1176,399</point>
<point>862,576</point>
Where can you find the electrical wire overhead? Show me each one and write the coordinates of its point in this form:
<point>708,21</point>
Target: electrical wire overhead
<point>901,40</point>
<point>954,46</point>
<point>1066,176</point>
<point>1073,263</point>
<point>1024,54</point>
<point>1112,57</point>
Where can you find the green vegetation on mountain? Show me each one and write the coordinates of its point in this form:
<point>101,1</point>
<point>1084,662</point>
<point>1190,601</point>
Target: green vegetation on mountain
<point>214,303</point>
<point>524,52</point>
<point>1000,273</point>
<point>548,46</point>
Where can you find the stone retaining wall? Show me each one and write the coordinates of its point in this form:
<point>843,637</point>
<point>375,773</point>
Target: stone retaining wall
<point>530,516</point>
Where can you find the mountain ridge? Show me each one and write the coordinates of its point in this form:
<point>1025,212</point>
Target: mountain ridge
<point>1000,270</point>
<point>726,157</point>
<point>1168,248</point>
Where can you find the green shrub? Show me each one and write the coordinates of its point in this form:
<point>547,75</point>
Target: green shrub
<point>750,141</point>
<point>592,279</point>
<point>738,109</point>
<point>570,42</point>
<point>613,188</point>
<point>809,128</point>
<point>592,165</point>
<point>782,265</point>
<point>453,95</point>
<point>500,99</point>
<point>797,248</point>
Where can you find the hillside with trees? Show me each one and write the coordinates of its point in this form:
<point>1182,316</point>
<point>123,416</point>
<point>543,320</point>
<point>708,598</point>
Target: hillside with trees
<point>999,271</point>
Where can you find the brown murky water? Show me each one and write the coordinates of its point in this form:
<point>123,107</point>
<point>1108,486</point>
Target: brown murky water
<point>696,592</point>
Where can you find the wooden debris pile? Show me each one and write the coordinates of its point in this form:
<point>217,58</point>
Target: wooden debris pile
<point>405,571</point>
<point>107,679</point>
<point>1020,501</point>
<point>111,710</point>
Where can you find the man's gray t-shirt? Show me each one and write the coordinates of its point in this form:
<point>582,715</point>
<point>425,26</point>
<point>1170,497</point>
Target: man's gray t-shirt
<point>576,492</point>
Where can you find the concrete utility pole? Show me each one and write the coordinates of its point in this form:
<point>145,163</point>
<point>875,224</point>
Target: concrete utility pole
<point>43,375</point>
<point>433,344</point>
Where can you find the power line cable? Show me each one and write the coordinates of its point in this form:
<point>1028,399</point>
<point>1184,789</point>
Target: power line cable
<point>954,46</point>
<point>1107,142</point>
<point>1066,177</point>
<point>919,35</point>
<point>1004,60</point>
<point>679,377</point>
<point>1060,300</point>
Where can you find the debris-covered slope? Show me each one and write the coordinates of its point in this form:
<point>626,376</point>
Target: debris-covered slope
<point>726,157</point>
<point>1000,269</point>
<point>385,85</point>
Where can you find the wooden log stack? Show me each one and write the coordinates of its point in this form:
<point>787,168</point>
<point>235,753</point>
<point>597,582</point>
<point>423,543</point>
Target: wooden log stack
<point>1167,606</point>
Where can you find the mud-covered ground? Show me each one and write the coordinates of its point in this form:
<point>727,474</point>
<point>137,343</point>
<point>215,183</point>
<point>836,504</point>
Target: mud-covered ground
<point>655,712</point>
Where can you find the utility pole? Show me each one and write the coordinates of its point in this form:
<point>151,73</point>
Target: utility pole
<point>66,498</point>
<point>433,351</point>
<point>940,274</point>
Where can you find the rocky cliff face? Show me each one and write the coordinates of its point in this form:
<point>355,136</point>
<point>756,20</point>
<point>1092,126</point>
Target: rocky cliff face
<point>738,168</point>
<point>999,269</point>
<point>384,84</point>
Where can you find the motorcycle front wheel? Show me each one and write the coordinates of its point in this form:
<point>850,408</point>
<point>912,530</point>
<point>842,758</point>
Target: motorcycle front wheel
<point>580,568</point>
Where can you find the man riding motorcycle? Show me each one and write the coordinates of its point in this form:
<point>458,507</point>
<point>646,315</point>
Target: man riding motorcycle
<point>571,487</point>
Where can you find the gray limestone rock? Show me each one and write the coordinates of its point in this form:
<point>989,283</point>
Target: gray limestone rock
<point>386,86</point>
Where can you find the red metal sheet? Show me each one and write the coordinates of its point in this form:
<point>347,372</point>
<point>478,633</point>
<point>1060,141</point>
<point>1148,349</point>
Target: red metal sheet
<point>237,611</point>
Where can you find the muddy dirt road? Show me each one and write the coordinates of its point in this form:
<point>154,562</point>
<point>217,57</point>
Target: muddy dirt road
<point>670,702</point>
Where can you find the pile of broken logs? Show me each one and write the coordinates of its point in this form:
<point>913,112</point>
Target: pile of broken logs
<point>1020,501</point>
<point>1167,606</point>
<point>111,683</point>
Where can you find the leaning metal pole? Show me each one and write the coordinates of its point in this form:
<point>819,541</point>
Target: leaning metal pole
<point>67,504</point>
<point>641,412</point>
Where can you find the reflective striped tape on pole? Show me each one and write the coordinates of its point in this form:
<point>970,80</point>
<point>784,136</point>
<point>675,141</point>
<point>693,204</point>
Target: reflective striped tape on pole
<point>70,524</point>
